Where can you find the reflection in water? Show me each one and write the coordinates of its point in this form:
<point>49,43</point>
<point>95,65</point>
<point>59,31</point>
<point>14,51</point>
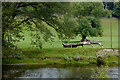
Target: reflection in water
<point>56,73</point>
<point>47,73</point>
<point>113,71</point>
<point>53,72</point>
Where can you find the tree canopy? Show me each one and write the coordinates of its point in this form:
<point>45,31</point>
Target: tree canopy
<point>116,9</point>
<point>68,19</point>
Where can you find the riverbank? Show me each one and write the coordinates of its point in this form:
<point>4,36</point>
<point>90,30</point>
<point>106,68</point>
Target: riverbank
<point>62,56</point>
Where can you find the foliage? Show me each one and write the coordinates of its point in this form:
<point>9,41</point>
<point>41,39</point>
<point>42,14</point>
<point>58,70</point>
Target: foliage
<point>12,28</point>
<point>88,15</point>
<point>17,16</point>
<point>89,26</point>
<point>12,54</point>
<point>113,7</point>
<point>116,10</point>
<point>109,5</point>
<point>100,72</point>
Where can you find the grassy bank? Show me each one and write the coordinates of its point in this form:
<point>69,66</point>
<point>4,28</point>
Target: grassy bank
<point>60,56</point>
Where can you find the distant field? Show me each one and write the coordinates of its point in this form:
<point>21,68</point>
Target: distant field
<point>105,39</point>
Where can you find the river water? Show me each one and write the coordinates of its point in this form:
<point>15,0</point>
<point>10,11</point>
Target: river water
<point>59,71</point>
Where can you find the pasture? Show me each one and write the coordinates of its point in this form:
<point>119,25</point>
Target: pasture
<point>105,39</point>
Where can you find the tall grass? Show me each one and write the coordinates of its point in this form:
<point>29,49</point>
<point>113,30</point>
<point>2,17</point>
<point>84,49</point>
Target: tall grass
<point>60,56</point>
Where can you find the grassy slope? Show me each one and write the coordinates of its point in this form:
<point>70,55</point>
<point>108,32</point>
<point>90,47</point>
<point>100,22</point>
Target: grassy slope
<point>105,39</point>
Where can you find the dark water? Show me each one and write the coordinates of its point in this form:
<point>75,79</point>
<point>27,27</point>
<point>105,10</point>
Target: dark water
<point>59,71</point>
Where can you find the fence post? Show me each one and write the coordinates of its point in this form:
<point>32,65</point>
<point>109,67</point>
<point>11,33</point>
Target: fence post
<point>111,29</point>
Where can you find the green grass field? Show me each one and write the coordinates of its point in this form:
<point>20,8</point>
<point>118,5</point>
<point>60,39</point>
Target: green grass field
<point>105,39</point>
<point>55,53</point>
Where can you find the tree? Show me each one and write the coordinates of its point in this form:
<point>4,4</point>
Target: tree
<point>88,15</point>
<point>89,26</point>
<point>108,5</point>
<point>116,10</point>
<point>32,16</point>
<point>78,18</point>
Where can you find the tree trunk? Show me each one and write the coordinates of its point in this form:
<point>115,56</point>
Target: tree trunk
<point>84,39</point>
<point>3,41</point>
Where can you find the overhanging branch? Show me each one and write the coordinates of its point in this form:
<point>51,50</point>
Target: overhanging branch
<point>24,5</point>
<point>22,22</point>
<point>48,23</point>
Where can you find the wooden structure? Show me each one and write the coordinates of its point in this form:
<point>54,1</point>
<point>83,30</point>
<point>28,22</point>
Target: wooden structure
<point>81,44</point>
